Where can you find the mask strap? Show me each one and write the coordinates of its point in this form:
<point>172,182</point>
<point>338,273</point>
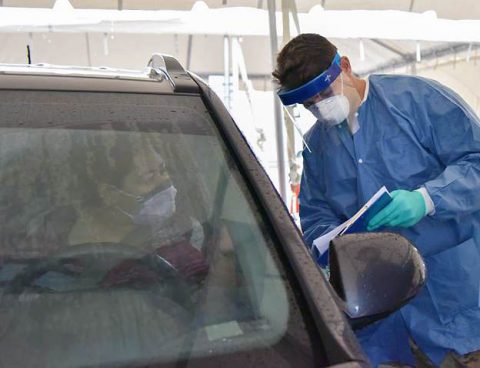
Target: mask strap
<point>138,198</point>
<point>124,212</point>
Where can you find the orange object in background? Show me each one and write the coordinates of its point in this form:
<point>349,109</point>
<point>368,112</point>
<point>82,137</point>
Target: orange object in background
<point>294,204</point>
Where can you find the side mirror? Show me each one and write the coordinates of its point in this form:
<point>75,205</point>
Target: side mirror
<point>374,274</point>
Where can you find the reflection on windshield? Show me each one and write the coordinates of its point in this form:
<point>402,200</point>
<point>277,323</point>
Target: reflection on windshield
<point>130,246</point>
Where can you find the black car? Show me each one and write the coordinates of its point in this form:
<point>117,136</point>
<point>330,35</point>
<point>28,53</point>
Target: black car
<point>138,229</point>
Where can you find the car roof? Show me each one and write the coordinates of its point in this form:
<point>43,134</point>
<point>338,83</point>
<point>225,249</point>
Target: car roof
<point>163,75</point>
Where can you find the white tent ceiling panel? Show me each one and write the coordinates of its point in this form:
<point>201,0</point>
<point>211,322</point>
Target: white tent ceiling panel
<point>460,9</point>
<point>393,25</point>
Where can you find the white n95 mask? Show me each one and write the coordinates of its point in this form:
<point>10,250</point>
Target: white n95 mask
<point>157,209</point>
<point>153,209</point>
<point>332,110</point>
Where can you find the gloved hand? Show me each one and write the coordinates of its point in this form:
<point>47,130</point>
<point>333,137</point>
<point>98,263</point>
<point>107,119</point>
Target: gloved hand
<point>405,210</point>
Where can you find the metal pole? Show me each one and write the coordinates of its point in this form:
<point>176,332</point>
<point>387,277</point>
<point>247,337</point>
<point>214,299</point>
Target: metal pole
<point>293,175</point>
<point>226,71</point>
<point>175,45</point>
<point>241,67</point>
<point>412,2</point>
<point>293,9</point>
<point>285,21</point>
<point>276,103</point>
<point>235,68</point>
<point>89,57</point>
<point>189,51</point>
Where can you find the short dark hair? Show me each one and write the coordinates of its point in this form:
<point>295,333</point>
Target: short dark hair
<point>302,59</point>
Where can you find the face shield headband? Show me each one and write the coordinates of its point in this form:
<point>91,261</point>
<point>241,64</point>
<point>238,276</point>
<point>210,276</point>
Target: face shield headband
<point>311,88</point>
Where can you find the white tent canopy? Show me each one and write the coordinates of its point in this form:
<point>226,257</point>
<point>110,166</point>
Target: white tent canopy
<point>201,20</point>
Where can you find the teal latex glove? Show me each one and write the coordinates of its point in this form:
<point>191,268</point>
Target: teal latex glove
<point>405,210</point>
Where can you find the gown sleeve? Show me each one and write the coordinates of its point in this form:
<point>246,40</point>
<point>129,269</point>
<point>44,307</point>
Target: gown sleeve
<point>452,134</point>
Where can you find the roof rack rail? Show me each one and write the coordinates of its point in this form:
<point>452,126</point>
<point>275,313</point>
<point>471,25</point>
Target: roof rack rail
<point>168,65</point>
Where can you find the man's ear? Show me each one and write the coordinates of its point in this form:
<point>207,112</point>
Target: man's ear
<point>345,65</point>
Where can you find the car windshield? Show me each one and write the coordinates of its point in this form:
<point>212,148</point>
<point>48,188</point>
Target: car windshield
<point>128,237</point>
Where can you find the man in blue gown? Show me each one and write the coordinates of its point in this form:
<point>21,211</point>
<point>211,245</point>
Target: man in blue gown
<point>420,140</point>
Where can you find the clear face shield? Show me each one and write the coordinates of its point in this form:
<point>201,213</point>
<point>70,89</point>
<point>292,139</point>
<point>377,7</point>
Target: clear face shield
<point>331,97</point>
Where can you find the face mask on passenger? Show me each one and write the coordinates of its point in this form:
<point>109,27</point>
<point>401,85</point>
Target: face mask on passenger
<point>156,209</point>
<point>153,209</point>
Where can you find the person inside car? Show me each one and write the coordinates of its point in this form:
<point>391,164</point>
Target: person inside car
<point>135,203</point>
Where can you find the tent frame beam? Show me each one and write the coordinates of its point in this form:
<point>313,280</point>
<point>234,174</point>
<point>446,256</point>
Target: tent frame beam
<point>189,51</point>
<point>388,47</point>
<point>412,3</point>
<point>411,58</point>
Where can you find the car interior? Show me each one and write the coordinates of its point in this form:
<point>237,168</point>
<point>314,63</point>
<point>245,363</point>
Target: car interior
<point>82,284</point>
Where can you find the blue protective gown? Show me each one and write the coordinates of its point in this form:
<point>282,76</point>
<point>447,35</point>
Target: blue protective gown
<point>413,132</point>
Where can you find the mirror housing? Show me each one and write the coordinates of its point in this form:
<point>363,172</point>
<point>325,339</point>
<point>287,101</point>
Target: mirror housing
<point>374,274</point>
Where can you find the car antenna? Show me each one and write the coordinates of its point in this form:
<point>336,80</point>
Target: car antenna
<point>29,55</point>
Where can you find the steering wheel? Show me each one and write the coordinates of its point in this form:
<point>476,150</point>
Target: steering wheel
<point>98,260</point>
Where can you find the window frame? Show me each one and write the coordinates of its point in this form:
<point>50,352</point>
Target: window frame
<point>324,304</point>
